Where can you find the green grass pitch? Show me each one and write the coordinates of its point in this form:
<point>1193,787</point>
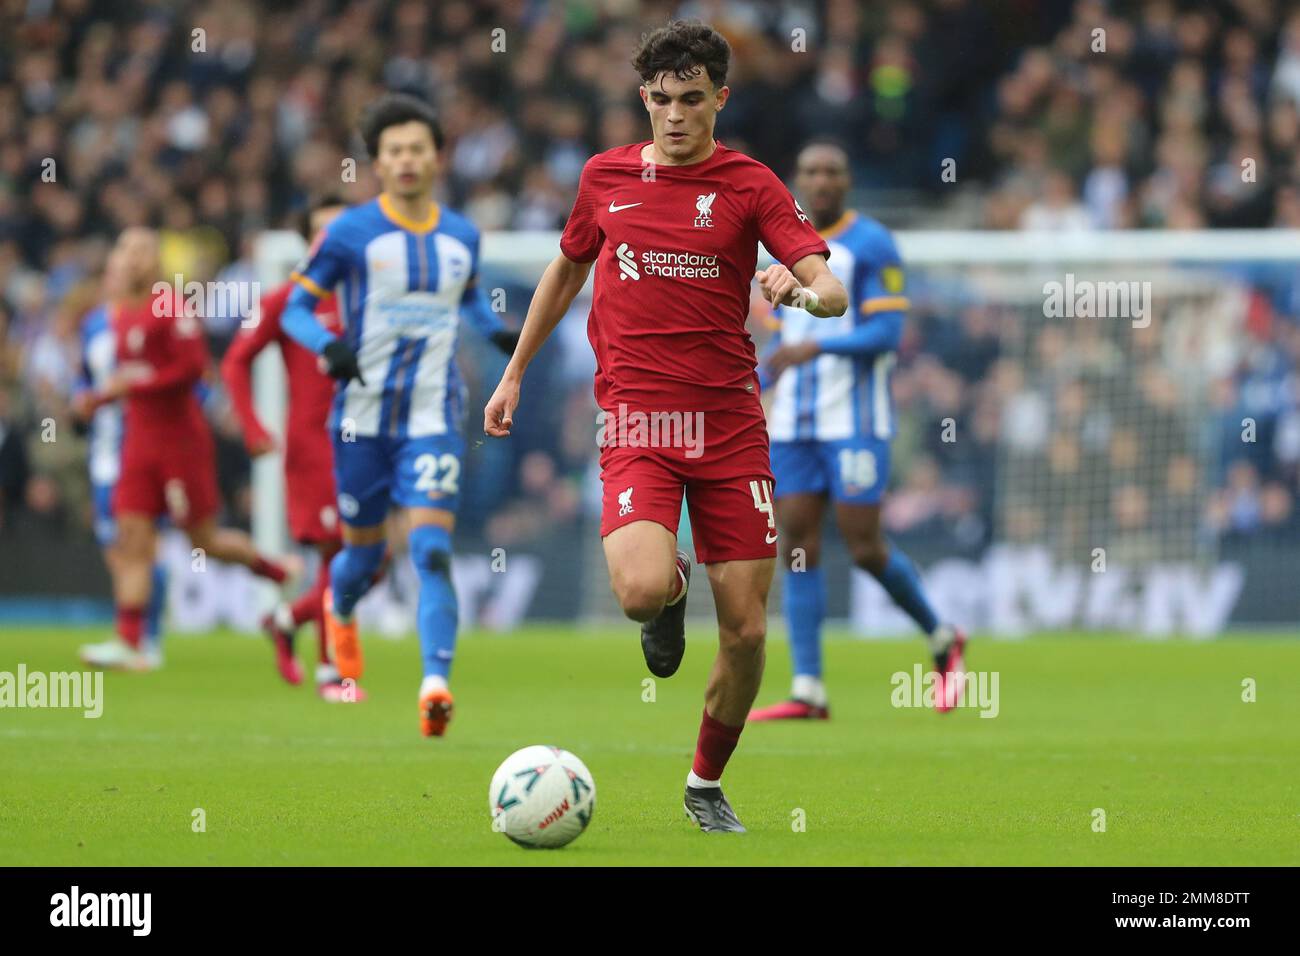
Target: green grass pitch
<point>1156,734</point>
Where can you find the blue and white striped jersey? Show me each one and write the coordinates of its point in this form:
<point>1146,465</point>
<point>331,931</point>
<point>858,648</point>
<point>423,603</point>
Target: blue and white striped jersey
<point>844,392</point>
<point>400,286</point>
<point>98,359</point>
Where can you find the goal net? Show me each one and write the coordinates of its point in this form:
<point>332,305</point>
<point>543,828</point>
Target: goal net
<point>1096,432</point>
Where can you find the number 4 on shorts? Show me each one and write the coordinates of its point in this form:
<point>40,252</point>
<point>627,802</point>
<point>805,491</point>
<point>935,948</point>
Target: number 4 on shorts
<point>761,489</point>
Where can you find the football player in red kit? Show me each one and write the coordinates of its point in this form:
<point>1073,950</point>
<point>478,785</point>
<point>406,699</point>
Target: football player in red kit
<point>672,227</point>
<point>168,455</point>
<point>308,457</point>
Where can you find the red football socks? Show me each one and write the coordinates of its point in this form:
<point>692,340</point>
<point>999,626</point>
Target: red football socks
<point>714,747</point>
<point>130,625</point>
<point>308,608</point>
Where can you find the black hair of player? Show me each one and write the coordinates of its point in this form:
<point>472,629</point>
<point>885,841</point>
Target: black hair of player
<point>682,48</point>
<point>394,109</point>
<point>324,201</point>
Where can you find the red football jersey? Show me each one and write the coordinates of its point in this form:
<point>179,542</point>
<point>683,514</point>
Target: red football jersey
<point>165,349</point>
<point>675,250</point>
<point>307,440</point>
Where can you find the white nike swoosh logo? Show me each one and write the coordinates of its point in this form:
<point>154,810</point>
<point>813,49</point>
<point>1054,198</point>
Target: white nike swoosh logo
<point>613,208</point>
<point>771,538</point>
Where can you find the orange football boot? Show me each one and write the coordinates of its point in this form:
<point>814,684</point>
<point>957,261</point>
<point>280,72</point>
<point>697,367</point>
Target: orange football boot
<point>435,711</point>
<point>343,639</point>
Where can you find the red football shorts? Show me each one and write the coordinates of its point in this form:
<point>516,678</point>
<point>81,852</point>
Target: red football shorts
<point>168,476</point>
<point>309,493</point>
<point>313,512</point>
<point>719,460</point>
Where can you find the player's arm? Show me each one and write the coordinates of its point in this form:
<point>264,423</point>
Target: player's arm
<point>560,285</point>
<point>882,308</point>
<point>878,290</point>
<point>237,368</point>
<point>311,284</point>
<point>476,310</point>
<point>882,334</point>
<point>783,228</point>
<point>809,285</point>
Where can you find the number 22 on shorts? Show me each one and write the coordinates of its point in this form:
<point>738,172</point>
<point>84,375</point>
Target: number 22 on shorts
<point>428,466</point>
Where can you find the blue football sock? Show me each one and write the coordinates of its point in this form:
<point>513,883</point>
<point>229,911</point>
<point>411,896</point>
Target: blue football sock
<point>903,584</point>
<point>805,607</point>
<point>157,603</point>
<point>436,618</point>
<point>352,571</point>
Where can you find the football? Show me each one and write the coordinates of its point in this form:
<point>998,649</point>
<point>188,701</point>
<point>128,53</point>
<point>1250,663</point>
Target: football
<point>542,797</point>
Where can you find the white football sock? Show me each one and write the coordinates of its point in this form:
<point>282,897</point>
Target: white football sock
<point>939,639</point>
<point>432,682</point>
<point>681,575</point>
<point>809,689</point>
<point>284,617</point>
<point>326,673</point>
<point>693,781</point>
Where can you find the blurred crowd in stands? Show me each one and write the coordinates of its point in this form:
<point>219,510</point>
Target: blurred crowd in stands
<point>215,121</point>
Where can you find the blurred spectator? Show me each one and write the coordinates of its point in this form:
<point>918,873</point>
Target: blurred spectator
<point>215,121</point>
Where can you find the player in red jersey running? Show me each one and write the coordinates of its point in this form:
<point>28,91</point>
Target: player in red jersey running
<point>168,455</point>
<point>308,457</point>
<point>672,227</point>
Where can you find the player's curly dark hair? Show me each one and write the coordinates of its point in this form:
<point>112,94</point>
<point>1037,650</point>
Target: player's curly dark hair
<point>681,48</point>
<point>394,109</point>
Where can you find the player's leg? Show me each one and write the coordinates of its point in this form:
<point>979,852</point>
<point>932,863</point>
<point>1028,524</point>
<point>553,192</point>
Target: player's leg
<point>136,502</point>
<point>362,477</point>
<point>641,557</point>
<point>189,477</point>
<point>650,578</point>
<point>860,526</point>
<point>282,623</point>
<point>799,518</point>
<point>641,509</point>
<point>153,619</point>
<point>308,606</point>
<point>734,527</point>
<point>351,572</point>
<point>234,547</point>
<point>426,483</point>
<point>115,653</point>
<point>437,616</point>
<point>105,528</point>
<point>740,590</point>
<point>801,490</point>
<point>132,590</point>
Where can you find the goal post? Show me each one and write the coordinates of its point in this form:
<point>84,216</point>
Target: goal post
<point>275,254</point>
